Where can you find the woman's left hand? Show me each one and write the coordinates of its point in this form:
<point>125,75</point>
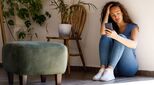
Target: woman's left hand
<point>111,33</point>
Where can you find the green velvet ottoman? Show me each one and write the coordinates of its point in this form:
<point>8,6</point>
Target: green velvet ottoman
<point>34,58</point>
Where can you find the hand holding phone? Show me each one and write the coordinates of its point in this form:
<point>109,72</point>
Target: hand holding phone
<point>109,26</point>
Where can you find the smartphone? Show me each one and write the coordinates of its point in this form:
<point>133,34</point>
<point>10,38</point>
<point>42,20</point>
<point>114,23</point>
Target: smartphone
<point>109,26</point>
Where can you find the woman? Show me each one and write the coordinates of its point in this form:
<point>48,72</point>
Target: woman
<point>117,47</point>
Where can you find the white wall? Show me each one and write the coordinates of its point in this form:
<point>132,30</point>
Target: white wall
<point>140,11</point>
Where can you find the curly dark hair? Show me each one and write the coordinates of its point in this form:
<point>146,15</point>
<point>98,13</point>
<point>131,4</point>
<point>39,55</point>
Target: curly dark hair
<point>126,17</point>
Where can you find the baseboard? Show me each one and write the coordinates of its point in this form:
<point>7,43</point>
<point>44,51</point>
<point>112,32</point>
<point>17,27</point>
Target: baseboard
<point>95,69</point>
<point>81,68</point>
<point>145,73</point>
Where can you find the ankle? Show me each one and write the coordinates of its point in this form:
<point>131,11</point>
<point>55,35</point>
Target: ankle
<point>99,74</point>
<point>101,70</point>
<point>110,68</point>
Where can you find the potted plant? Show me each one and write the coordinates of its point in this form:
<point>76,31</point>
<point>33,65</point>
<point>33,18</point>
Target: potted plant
<point>65,11</point>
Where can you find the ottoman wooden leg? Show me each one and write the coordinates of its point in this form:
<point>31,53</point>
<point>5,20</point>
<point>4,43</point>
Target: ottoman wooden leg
<point>58,79</point>
<point>23,79</point>
<point>10,78</point>
<point>43,78</point>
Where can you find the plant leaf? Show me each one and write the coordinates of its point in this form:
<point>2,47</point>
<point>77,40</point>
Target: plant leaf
<point>22,35</point>
<point>10,22</point>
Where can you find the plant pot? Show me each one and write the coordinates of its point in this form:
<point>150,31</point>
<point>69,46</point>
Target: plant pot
<point>64,30</point>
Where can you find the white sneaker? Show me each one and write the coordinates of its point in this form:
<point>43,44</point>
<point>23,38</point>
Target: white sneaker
<point>98,75</point>
<point>108,75</point>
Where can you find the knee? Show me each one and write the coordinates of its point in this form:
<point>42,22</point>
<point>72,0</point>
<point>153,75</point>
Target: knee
<point>122,35</point>
<point>104,39</point>
<point>117,43</point>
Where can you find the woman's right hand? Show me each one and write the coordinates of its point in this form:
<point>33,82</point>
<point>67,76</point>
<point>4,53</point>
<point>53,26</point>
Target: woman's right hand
<point>108,9</point>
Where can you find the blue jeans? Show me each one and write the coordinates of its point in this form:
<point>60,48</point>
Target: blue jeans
<point>115,54</point>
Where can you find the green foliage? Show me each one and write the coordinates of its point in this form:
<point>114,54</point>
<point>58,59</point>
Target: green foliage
<point>10,22</point>
<point>47,14</point>
<point>27,23</point>
<point>29,11</point>
<point>23,13</point>
<point>64,8</point>
<point>21,35</point>
<point>11,11</point>
<point>39,19</point>
<point>6,14</point>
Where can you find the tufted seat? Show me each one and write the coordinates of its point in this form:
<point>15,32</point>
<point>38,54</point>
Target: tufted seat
<point>34,58</point>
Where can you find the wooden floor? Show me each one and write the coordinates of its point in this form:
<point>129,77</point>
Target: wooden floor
<point>78,78</point>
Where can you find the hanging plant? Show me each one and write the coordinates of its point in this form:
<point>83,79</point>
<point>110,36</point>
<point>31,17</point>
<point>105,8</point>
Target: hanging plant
<point>29,11</point>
